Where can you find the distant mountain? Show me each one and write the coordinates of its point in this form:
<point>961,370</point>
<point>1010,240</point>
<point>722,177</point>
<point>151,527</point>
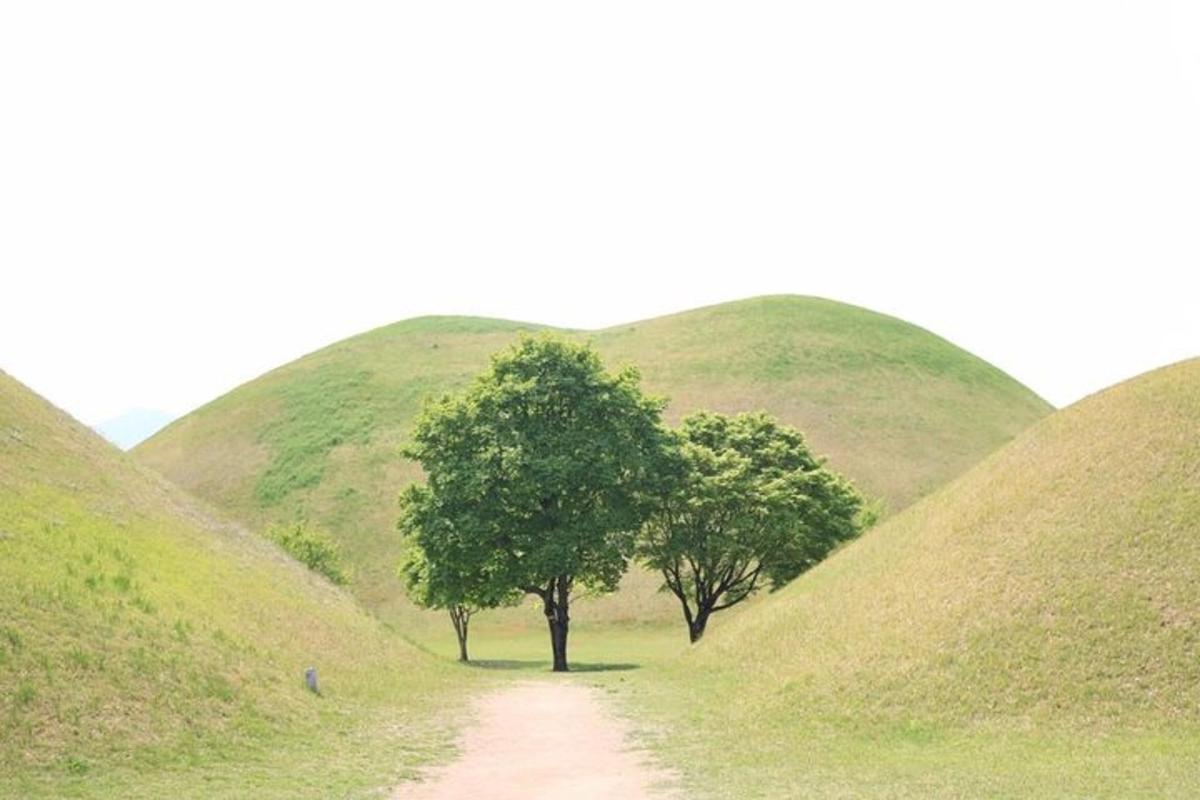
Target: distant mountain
<point>133,427</point>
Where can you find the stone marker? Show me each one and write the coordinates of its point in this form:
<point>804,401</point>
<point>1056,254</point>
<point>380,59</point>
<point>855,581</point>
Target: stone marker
<point>310,680</point>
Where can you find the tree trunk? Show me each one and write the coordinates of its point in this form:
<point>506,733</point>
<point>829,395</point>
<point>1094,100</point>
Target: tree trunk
<point>697,625</point>
<point>556,603</point>
<point>461,617</point>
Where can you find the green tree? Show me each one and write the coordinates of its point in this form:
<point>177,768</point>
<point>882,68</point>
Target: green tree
<point>746,504</point>
<point>453,573</point>
<point>541,468</point>
<point>312,548</point>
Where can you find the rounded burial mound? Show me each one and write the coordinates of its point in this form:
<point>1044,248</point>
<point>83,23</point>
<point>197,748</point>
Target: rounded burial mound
<point>1056,582</point>
<point>899,410</point>
<point>137,631</point>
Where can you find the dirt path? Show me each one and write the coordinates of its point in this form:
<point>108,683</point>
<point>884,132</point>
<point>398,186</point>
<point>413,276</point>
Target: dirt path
<point>544,739</point>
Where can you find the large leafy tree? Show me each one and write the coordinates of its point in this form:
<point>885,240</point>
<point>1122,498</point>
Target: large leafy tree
<point>541,470</point>
<point>746,505</point>
<point>442,567</point>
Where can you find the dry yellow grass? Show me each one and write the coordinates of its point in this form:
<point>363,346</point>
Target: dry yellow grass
<point>1057,577</point>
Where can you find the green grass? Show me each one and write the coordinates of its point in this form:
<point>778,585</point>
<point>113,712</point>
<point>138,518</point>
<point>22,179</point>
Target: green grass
<point>898,409</point>
<point>318,415</point>
<point>696,724</point>
<point>149,649</point>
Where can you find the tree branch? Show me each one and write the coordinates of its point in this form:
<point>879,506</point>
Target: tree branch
<point>742,594</point>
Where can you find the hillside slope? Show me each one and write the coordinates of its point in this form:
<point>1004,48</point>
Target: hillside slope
<point>1059,575</point>
<point>141,638</point>
<point>895,407</point>
<point>1038,619</point>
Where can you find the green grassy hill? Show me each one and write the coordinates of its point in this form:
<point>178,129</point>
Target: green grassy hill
<point>148,649</point>
<point>898,409</point>
<point>1033,629</point>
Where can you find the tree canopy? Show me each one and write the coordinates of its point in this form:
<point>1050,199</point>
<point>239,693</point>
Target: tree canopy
<point>539,475</point>
<point>443,567</point>
<point>745,504</point>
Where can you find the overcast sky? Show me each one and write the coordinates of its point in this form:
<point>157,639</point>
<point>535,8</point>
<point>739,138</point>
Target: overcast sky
<point>193,193</point>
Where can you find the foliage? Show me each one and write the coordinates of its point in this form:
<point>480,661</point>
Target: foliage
<point>536,475</point>
<point>873,511</point>
<point>441,566</point>
<point>312,548</point>
<point>452,574</point>
<point>747,503</point>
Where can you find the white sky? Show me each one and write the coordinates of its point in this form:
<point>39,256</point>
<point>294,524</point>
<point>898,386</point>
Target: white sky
<point>193,193</point>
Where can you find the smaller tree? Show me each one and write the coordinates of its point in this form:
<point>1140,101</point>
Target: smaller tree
<point>312,548</point>
<point>746,504</point>
<point>443,569</point>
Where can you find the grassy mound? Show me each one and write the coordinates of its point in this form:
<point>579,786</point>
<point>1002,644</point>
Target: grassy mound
<point>895,407</point>
<point>148,649</point>
<point>1032,629</point>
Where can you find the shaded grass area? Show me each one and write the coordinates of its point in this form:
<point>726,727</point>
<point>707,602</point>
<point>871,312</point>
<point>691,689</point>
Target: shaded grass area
<point>506,646</point>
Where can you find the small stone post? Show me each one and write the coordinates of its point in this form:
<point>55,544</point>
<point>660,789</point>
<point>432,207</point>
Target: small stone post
<point>310,680</point>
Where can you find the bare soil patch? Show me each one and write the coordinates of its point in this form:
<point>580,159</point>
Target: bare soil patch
<point>544,739</point>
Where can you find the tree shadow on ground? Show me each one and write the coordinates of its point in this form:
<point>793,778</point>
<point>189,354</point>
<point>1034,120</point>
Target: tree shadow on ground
<point>535,665</point>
